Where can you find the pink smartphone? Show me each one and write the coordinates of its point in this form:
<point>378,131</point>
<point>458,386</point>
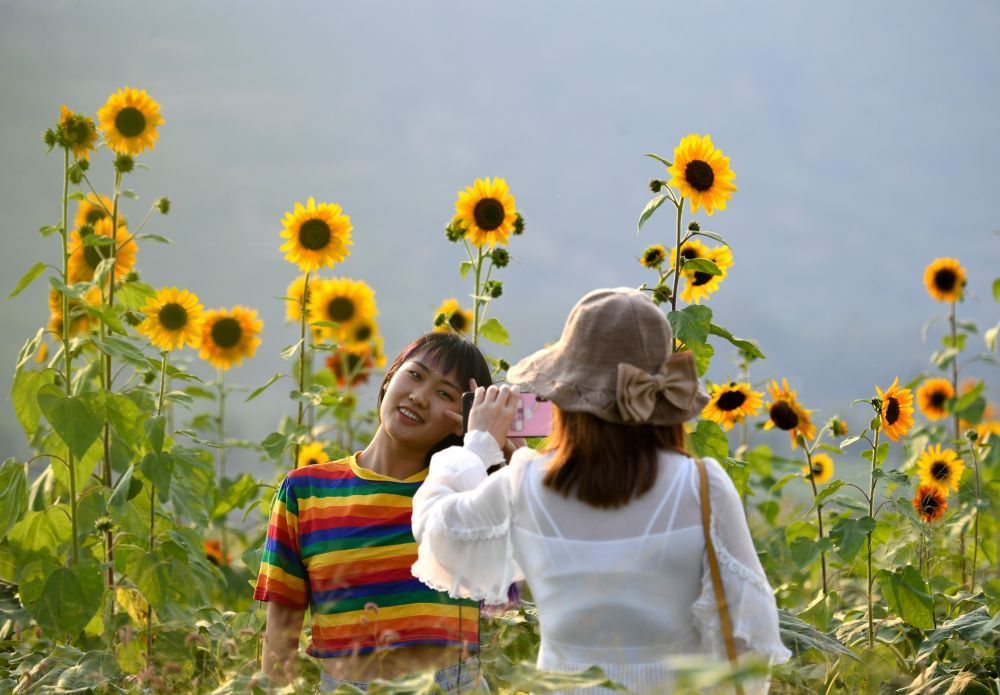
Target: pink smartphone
<point>532,419</point>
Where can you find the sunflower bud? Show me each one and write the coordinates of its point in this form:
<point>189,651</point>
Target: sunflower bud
<point>661,294</point>
<point>132,276</point>
<point>454,232</point>
<point>163,205</point>
<point>837,427</point>
<point>503,364</point>
<point>500,256</point>
<point>694,227</point>
<point>84,164</point>
<point>75,174</point>
<point>104,524</point>
<point>50,138</point>
<point>971,435</point>
<point>348,400</point>
<point>518,225</point>
<point>132,319</point>
<point>124,164</point>
<point>440,319</point>
<point>655,185</point>
<point>148,378</point>
<point>493,288</point>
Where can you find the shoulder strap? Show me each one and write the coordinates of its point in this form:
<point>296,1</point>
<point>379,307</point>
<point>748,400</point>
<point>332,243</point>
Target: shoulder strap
<point>720,593</point>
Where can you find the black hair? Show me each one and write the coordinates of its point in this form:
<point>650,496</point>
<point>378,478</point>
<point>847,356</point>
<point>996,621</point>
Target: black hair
<point>449,352</point>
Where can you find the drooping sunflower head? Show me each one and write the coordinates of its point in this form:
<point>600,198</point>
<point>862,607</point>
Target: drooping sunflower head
<point>316,235</point>
<point>455,318</point>
<point>732,403</point>
<point>897,410</point>
<point>930,503</point>
<point>229,335</point>
<point>821,470</point>
<point>129,120</point>
<point>932,396</point>
<point>80,320</point>
<point>293,297</point>
<point>700,284</point>
<point>945,279</point>
<point>653,256</point>
<point>786,413</point>
<point>702,174</point>
<point>173,319</point>
<point>92,210</point>
<point>343,301</point>
<point>486,211</point>
<point>311,454</point>
<point>940,468</point>
<point>79,132</point>
<point>86,256</point>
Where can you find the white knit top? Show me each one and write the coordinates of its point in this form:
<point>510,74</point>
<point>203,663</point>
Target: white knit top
<point>627,589</point>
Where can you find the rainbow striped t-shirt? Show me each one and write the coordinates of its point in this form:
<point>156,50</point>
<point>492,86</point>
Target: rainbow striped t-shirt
<point>340,541</point>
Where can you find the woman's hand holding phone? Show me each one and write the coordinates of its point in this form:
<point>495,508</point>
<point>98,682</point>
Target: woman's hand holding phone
<point>493,410</point>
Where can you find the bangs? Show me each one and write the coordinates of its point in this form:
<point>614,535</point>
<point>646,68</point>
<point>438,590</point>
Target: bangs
<point>446,352</point>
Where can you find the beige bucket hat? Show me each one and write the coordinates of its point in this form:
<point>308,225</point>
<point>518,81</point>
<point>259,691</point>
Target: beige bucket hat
<point>615,360</point>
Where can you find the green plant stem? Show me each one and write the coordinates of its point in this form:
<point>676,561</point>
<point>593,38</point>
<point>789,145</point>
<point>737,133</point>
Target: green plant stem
<point>220,437</point>
<point>819,513</point>
<point>475,298</point>
<point>955,420</point>
<point>677,255</point>
<point>303,319</point>
<point>871,513</point>
<point>975,519</point>
<point>67,355</point>
<point>152,516</point>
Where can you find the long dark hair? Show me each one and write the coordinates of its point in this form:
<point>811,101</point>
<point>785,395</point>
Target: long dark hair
<point>603,463</point>
<point>449,351</point>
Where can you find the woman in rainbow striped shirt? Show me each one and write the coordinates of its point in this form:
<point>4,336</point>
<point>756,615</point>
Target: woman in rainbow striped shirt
<point>341,544</point>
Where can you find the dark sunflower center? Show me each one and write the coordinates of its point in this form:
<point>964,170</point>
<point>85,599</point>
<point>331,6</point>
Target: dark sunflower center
<point>226,333</point>
<point>78,131</point>
<point>362,333</point>
<point>314,234</point>
<point>489,214</point>
<point>689,252</point>
<point>699,175</point>
<point>938,398</point>
<point>353,363</point>
<point>457,321</point>
<point>891,410</point>
<point>94,254</point>
<point>95,215</point>
<point>940,470</point>
<point>173,316</point>
<point>312,462</point>
<point>784,416</point>
<point>930,503</point>
<point>945,279</point>
<point>653,257</point>
<point>817,469</point>
<point>700,278</point>
<point>130,122</point>
<point>731,400</point>
<point>340,309</point>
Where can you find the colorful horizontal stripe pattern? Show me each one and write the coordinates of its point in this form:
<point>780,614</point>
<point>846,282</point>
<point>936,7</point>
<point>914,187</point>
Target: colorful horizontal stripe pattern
<point>340,542</point>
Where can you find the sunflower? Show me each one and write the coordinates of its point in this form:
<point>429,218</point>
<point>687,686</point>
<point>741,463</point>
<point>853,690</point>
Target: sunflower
<point>822,469</point>
<point>897,410</point>
<point>945,279</point>
<point>456,319</point>
<point>293,297</point>
<point>317,235</point>
<point>940,468</point>
<point>344,364</point>
<point>129,120</point>
<point>227,336</point>
<point>699,284</point>
<point>653,256</point>
<point>786,413</point>
<point>84,258</point>
<point>80,321</point>
<point>932,396</point>
<point>358,338</point>
<point>92,210</point>
<point>312,453</point>
<point>930,503</point>
<point>731,403</point>
<point>213,552</point>
<point>486,211</point>
<point>346,302</point>
<point>702,174</point>
<point>173,319</point>
<point>79,131</point>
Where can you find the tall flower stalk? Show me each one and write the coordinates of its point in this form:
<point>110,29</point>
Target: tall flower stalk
<point>303,352</point>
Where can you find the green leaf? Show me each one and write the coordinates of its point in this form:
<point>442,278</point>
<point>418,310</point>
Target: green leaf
<point>746,345</point>
<point>701,265</point>
<point>883,452</point>
<point>129,193</point>
<point>712,235</point>
<point>154,429</point>
<point>464,268</point>
<point>710,440</point>
<point>967,401</point>
<point>154,578</point>
<point>658,158</point>
<point>274,444</point>
<point>121,494</point>
<point>13,494</point>
<point>806,551</point>
<point>154,237</point>
<point>236,495</point>
<point>908,597</point>
<point>996,290</point>
<point>849,534</point>
<point>29,349</point>
<point>826,492</point>
<point>290,351</point>
<point>784,480</point>
<point>134,295</point>
<point>850,440</point>
<point>48,230</point>
<point>800,637</point>
<point>257,391</point>
<point>650,208</point>
<point>975,626</point>
<point>691,324</point>
<point>107,315</point>
<point>71,418</point>
<point>24,394</point>
<point>990,337</point>
<point>703,353</point>
<point>158,469</point>
<point>494,331</point>
<point>739,473</point>
<point>122,349</point>
<point>27,279</point>
<point>191,489</point>
<point>41,533</point>
<point>70,598</point>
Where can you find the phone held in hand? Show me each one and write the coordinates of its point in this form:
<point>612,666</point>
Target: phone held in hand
<point>532,419</point>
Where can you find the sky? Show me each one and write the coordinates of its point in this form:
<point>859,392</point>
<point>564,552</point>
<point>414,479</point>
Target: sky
<point>865,138</point>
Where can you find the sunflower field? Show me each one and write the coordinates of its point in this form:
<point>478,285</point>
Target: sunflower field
<point>128,551</point>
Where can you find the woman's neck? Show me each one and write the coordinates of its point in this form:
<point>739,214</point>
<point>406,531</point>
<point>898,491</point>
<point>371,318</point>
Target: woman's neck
<point>387,456</point>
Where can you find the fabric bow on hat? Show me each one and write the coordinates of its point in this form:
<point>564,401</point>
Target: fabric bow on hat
<point>637,390</point>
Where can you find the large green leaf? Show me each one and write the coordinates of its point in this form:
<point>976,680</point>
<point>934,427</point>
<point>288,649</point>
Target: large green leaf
<point>27,279</point>
<point>237,494</point>
<point>691,324</point>
<point>13,494</point>
<point>494,331</point>
<point>71,417</point>
<point>746,345</point>
<point>158,469</point>
<point>648,211</point>
<point>24,395</point>
<point>41,533</point>
<point>971,627</point>
<point>152,575</point>
<point>849,534</point>
<point>708,439</point>
<point>908,596</point>
<point>799,636</point>
<point>69,599</point>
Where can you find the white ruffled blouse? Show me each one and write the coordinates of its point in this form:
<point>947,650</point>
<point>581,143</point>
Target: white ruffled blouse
<point>628,589</point>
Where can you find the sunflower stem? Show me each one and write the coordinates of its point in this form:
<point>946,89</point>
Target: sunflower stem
<point>475,298</point>
<point>871,513</point>
<point>954,385</point>
<point>220,437</point>
<point>152,515</point>
<point>975,519</point>
<point>819,511</point>
<point>302,367</point>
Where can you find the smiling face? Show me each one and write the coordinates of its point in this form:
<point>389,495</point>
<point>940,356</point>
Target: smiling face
<point>417,398</point>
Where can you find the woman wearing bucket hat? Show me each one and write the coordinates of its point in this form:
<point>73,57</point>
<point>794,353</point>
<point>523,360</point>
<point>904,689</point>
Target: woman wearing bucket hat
<point>630,563</point>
